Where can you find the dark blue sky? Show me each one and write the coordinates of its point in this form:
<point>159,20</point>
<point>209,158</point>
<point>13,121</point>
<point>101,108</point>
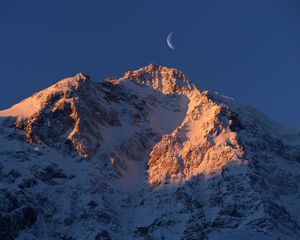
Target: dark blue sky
<point>249,50</point>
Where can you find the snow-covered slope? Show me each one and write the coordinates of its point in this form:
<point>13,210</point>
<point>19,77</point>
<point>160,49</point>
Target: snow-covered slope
<point>145,156</point>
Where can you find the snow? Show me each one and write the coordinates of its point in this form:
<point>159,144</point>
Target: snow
<point>23,109</point>
<point>246,234</point>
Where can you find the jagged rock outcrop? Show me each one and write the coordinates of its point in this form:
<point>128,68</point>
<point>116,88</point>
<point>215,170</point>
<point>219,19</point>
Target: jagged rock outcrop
<point>163,79</point>
<point>145,156</point>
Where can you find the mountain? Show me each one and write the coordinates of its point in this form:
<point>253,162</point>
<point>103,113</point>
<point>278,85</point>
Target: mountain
<point>145,156</point>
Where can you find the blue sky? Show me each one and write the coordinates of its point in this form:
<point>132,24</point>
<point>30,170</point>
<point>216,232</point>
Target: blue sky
<point>249,50</point>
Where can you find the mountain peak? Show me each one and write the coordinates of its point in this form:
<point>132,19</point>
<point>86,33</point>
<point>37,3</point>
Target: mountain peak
<point>72,83</point>
<point>82,76</point>
<point>164,79</point>
<point>152,142</point>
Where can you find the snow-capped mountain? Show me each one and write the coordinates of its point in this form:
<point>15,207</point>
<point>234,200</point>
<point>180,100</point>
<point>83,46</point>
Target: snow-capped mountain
<point>145,156</point>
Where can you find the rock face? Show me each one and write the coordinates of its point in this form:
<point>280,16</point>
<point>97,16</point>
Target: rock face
<point>145,156</point>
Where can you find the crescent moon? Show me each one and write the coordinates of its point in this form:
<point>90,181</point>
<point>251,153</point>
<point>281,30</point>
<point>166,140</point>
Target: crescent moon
<point>169,41</point>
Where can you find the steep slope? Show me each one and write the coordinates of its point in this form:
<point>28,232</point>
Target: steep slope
<point>145,156</point>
